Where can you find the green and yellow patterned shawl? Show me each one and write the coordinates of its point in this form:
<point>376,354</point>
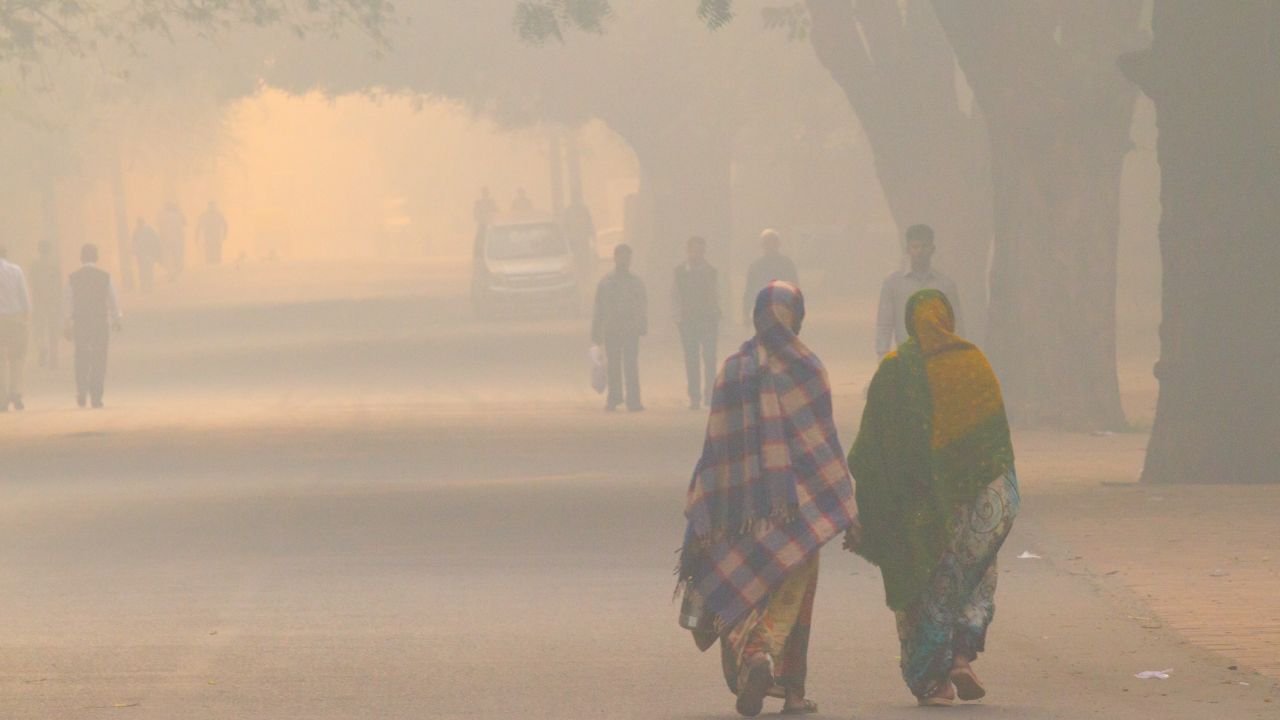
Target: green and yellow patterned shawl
<point>934,433</point>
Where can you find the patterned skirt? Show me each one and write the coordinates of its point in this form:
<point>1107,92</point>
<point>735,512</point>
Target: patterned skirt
<point>780,630</point>
<point>951,616</point>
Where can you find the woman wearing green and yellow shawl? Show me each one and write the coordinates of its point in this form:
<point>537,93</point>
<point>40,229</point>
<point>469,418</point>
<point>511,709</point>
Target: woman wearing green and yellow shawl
<point>937,494</point>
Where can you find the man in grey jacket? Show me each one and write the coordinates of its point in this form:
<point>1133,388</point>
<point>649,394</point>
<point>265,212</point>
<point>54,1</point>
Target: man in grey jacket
<point>619,321</point>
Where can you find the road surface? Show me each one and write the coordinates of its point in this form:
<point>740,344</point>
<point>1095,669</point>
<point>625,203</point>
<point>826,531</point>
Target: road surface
<point>375,508</point>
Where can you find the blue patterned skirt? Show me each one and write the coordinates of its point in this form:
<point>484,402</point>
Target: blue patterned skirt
<point>952,615</point>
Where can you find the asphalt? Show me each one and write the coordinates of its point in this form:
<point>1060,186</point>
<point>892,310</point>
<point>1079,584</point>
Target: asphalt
<point>375,508</point>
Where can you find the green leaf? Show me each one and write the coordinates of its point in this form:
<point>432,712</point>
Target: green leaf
<point>715,13</point>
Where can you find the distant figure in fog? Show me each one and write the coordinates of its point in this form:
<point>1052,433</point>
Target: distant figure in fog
<point>211,232</point>
<point>94,310</point>
<point>484,210</point>
<point>937,493</point>
<point>770,489</point>
<point>696,301</point>
<point>521,205</point>
<point>46,304</point>
<point>891,325</point>
<point>171,224</point>
<point>771,265</point>
<point>580,230</point>
<point>147,253</point>
<point>620,319</point>
<point>15,313</point>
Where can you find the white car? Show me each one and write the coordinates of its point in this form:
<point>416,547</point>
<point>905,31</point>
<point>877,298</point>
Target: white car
<point>523,265</point>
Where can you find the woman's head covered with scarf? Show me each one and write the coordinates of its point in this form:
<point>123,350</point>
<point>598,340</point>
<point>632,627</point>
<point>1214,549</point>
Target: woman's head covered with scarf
<point>931,321</point>
<point>934,433</point>
<point>771,486</point>
<point>779,311</point>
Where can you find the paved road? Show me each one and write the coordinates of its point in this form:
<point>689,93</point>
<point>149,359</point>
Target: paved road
<point>389,518</point>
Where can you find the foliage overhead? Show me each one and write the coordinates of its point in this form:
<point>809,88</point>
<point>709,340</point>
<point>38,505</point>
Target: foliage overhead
<point>34,31</point>
<point>540,20</point>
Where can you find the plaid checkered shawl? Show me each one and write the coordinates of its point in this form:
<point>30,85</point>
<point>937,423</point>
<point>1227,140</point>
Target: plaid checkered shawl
<point>772,485</point>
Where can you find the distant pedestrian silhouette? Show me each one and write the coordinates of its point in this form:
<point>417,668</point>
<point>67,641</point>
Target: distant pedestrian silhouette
<point>696,301</point>
<point>619,321</point>
<point>15,313</point>
<point>891,324</point>
<point>212,233</point>
<point>94,312</point>
<point>771,265</point>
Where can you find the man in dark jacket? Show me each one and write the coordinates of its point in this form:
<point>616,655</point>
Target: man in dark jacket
<point>94,311</point>
<point>620,319</point>
<point>696,301</point>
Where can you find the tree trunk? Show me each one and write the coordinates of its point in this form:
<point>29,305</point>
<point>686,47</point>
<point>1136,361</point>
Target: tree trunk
<point>685,190</point>
<point>1052,321</point>
<point>1058,116</point>
<point>930,156</point>
<point>1213,73</point>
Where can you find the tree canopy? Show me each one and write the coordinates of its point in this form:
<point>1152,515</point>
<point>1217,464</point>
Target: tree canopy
<point>34,32</point>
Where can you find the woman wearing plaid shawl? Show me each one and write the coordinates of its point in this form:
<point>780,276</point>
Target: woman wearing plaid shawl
<point>770,489</point>
<point>938,494</point>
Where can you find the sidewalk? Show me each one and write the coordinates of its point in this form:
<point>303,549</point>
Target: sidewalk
<point>1205,559</point>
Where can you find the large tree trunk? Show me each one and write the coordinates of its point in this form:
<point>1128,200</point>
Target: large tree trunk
<point>1058,115</point>
<point>1213,73</point>
<point>685,190</point>
<point>930,156</point>
<point>1052,323</point>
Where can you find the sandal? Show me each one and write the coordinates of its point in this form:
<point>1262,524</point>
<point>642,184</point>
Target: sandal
<point>805,708</point>
<point>753,691</point>
<point>967,685</point>
<point>937,699</point>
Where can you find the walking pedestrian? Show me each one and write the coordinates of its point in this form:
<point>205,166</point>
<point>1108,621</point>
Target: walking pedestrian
<point>696,301</point>
<point>94,312</point>
<point>15,314</point>
<point>620,319</point>
<point>891,323</point>
<point>937,492</point>
<point>771,265</point>
<point>770,489</point>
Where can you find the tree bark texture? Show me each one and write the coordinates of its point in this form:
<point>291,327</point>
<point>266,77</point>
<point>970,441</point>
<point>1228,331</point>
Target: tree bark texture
<point>685,189</point>
<point>1213,72</point>
<point>898,72</point>
<point>1058,116</point>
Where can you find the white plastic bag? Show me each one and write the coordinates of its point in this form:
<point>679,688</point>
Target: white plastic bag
<point>599,369</point>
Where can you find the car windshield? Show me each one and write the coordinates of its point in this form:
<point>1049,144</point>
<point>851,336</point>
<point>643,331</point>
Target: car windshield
<point>521,242</point>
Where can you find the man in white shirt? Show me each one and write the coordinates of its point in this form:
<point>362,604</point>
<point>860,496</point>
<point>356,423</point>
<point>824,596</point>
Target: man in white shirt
<point>15,312</point>
<point>891,326</point>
